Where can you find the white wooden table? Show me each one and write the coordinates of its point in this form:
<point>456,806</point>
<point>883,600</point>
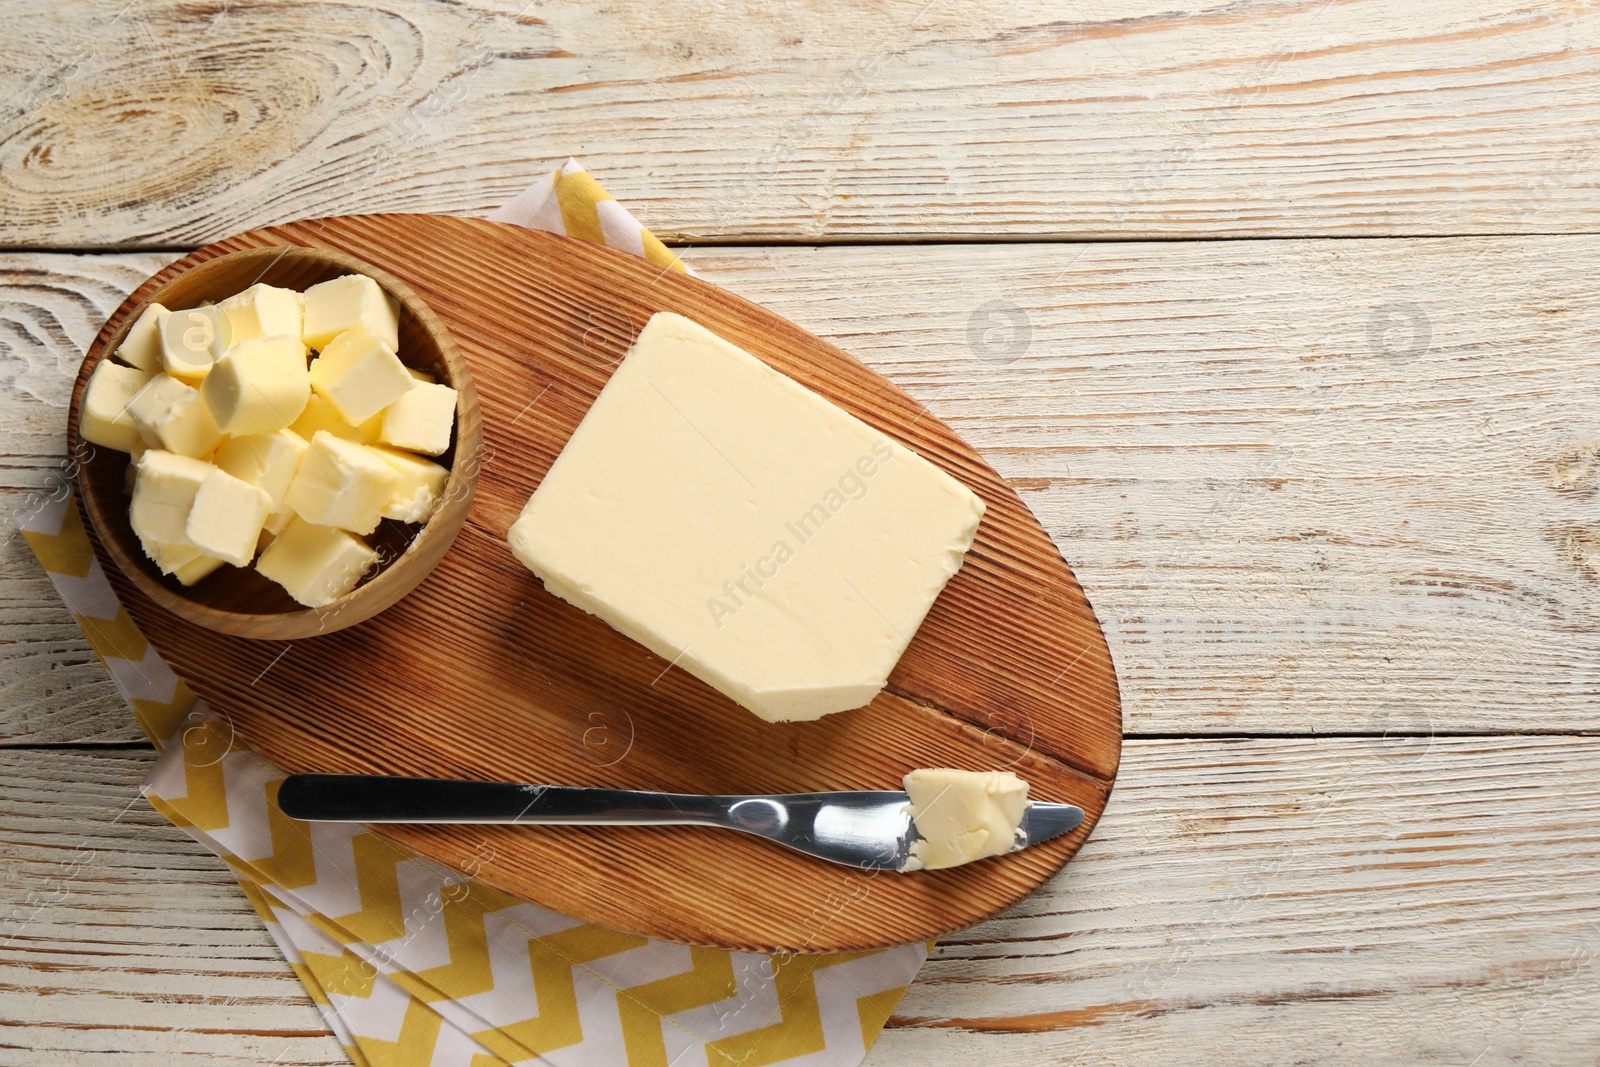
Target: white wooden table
<point>1282,315</point>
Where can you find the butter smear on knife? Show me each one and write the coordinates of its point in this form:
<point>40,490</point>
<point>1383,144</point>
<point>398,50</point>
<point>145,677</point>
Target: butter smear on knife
<point>963,816</point>
<point>743,528</point>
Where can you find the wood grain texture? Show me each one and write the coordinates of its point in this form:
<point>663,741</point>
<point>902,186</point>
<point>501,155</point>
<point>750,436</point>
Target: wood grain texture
<point>1246,902</point>
<point>1286,519</point>
<point>123,941</point>
<point>481,673</point>
<point>167,122</point>
<point>1320,902</point>
<point>1309,486</point>
<point>52,687</point>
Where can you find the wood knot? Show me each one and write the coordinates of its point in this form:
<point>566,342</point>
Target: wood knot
<point>1581,548</point>
<point>1576,469</point>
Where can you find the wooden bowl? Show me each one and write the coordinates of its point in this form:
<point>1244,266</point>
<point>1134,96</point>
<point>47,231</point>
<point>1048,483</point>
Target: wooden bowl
<point>238,600</point>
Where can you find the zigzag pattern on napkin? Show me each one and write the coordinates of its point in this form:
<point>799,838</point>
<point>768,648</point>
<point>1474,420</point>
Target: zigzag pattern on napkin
<point>570,202</point>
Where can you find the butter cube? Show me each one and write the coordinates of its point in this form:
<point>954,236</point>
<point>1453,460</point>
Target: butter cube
<point>172,416</point>
<point>421,484</point>
<point>267,461</point>
<point>420,375</point>
<point>191,429</point>
<point>743,528</point>
<point>315,564</point>
<point>192,340</point>
<point>320,414</point>
<point>342,483</point>
<point>259,386</point>
<point>277,519</point>
<point>360,374</point>
<point>420,419</point>
<point>344,303</point>
<point>196,569</point>
<point>265,311</point>
<point>163,492</point>
<point>184,562</point>
<point>225,518</point>
<point>103,417</point>
<point>153,402</point>
<point>963,816</point>
<point>141,345</point>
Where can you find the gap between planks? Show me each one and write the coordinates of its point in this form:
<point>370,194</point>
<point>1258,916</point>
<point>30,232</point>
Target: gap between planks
<point>931,240</point>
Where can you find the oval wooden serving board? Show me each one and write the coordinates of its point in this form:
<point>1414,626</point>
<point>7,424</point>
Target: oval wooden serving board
<point>480,673</point>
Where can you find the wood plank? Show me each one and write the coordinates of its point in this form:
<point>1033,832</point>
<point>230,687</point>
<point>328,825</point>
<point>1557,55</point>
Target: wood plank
<point>1308,486</point>
<point>52,687</point>
<point>1308,902</point>
<point>1286,519</point>
<point>167,123</point>
<point>1406,902</point>
<point>121,940</point>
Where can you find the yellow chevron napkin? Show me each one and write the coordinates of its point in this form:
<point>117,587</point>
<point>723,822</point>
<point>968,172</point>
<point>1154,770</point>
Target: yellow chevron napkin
<point>412,963</point>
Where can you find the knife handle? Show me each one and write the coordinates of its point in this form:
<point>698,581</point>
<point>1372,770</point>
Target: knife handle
<point>371,798</point>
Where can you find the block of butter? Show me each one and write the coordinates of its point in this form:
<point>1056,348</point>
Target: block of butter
<point>334,306</point>
<point>420,420</point>
<point>360,375</point>
<point>196,567</point>
<point>172,416</point>
<point>225,518</point>
<point>259,385</point>
<point>192,340</point>
<point>421,484</point>
<point>265,311</point>
<point>963,816</point>
<point>267,461</point>
<point>342,483</point>
<point>184,562</point>
<point>743,528</point>
<point>142,346</point>
<point>316,564</point>
<point>103,417</point>
<point>163,492</point>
